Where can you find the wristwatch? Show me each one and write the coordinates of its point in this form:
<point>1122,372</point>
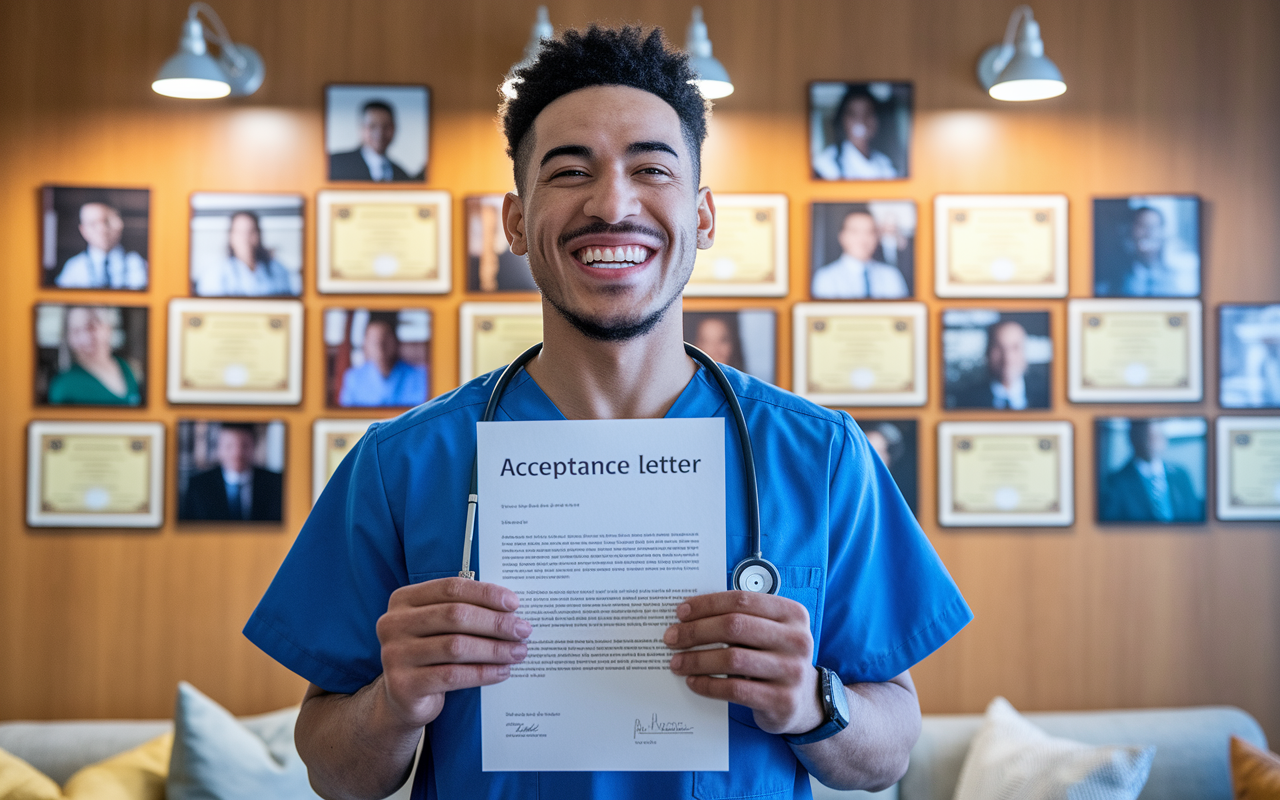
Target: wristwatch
<point>835,704</point>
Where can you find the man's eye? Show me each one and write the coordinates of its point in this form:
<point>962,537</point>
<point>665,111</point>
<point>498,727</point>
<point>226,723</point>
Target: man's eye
<point>569,173</point>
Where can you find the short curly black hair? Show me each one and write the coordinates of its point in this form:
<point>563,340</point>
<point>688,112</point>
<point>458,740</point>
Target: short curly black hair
<point>625,56</point>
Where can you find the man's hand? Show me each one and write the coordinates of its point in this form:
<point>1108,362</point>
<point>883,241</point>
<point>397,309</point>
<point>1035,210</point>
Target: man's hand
<point>446,634</point>
<point>769,658</point>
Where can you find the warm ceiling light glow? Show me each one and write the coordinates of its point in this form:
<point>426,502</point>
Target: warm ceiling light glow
<point>1032,89</point>
<point>713,90</point>
<point>191,88</point>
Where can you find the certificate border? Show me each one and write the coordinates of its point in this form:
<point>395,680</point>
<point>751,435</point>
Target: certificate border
<point>38,518</point>
<point>1077,392</point>
<point>1224,427</point>
<point>467,313</point>
<point>320,429</point>
<point>1222,343</point>
<point>944,203</point>
<point>802,312</point>
<point>777,287</point>
<point>290,395</point>
<point>1066,475</point>
<point>326,283</point>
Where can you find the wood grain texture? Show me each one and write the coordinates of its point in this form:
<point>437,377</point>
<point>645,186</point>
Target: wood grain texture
<point>1165,96</point>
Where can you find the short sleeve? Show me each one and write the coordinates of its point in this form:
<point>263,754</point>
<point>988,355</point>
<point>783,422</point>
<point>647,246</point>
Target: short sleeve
<point>320,613</point>
<point>889,600</point>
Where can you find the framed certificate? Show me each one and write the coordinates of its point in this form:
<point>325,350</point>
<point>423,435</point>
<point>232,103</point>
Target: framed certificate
<point>1005,474</point>
<point>1134,351</point>
<point>95,474</point>
<point>749,257</point>
<point>491,335</point>
<point>861,354</point>
<point>384,242</point>
<point>1000,245</point>
<point>235,351</point>
<point>331,440</point>
<point>1248,468</point>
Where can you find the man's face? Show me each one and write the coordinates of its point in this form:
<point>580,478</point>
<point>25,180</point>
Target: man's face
<point>715,339</point>
<point>610,217</point>
<point>1148,234</point>
<point>377,129</point>
<point>1007,353</point>
<point>858,237</point>
<point>100,225</point>
<point>380,346</point>
<point>235,449</point>
<point>1151,443</point>
<point>859,122</point>
<point>880,444</point>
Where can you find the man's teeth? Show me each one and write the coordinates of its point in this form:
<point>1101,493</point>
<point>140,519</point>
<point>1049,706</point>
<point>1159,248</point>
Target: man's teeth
<point>613,256</point>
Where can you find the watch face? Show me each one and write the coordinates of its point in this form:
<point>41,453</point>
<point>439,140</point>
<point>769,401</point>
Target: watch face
<point>839,700</point>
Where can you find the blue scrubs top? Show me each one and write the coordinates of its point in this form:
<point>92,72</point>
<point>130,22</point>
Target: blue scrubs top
<point>833,522</point>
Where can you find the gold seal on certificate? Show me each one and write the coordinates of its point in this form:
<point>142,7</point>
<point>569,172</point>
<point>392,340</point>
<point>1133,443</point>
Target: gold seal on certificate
<point>1000,245</point>
<point>860,354</point>
<point>1134,351</point>
<point>95,474</point>
<point>1005,474</point>
<point>749,257</point>
<point>235,351</point>
<point>491,335</point>
<point>384,242</point>
<point>1248,468</point>
<point>332,439</point>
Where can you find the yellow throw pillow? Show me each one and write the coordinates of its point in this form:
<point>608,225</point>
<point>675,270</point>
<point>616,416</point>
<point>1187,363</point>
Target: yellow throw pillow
<point>137,774</point>
<point>1255,773</point>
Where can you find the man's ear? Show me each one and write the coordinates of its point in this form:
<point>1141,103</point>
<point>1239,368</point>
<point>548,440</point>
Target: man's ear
<point>706,219</point>
<point>513,223</point>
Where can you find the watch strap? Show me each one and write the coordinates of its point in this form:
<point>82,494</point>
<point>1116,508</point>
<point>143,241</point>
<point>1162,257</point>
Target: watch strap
<point>828,683</point>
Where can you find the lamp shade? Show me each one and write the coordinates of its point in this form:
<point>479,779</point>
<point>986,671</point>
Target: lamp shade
<point>541,30</point>
<point>1018,69</point>
<point>712,78</point>
<point>192,72</point>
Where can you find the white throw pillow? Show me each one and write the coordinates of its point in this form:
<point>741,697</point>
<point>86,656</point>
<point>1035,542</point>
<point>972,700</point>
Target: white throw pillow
<point>1011,759</point>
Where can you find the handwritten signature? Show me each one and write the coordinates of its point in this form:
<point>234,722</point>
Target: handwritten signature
<point>656,726</point>
<point>523,727</point>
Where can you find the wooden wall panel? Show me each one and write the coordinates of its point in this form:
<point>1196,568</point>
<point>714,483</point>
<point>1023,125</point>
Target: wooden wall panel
<point>1165,95</point>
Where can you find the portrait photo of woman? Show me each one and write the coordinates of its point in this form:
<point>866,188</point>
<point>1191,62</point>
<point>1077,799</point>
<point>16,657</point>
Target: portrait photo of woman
<point>246,245</point>
<point>90,355</point>
<point>859,131</point>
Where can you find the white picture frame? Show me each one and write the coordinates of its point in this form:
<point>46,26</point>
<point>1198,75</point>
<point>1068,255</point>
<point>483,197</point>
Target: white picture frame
<point>472,315</point>
<point>1003,264</point>
<point>221,370</point>
<point>713,269</point>
<point>52,435</point>
<point>1230,505</point>
<point>1061,493</point>
<point>436,204</point>
<point>909,388</point>
<point>321,431</point>
<point>1154,357</point>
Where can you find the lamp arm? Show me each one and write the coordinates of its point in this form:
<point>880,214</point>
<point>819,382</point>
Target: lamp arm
<point>219,33</point>
<point>1010,35</point>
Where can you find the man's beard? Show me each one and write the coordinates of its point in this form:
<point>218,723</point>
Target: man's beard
<point>611,331</point>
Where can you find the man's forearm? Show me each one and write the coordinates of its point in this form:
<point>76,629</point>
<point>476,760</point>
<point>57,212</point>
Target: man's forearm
<point>872,753</point>
<point>353,747</point>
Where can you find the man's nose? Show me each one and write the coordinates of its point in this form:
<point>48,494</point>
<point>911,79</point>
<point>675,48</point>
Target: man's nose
<point>613,198</point>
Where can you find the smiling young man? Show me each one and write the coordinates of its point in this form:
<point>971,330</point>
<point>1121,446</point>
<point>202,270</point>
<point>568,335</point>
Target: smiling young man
<point>606,136</point>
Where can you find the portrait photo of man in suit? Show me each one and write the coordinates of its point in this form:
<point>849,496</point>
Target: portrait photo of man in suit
<point>1013,371</point>
<point>376,133</point>
<point>237,487</point>
<point>95,238</point>
<point>1151,485</point>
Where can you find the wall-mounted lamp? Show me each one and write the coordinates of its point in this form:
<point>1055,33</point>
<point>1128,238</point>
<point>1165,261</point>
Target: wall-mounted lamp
<point>541,30</point>
<point>193,73</point>
<point>713,80</point>
<point>1017,69</point>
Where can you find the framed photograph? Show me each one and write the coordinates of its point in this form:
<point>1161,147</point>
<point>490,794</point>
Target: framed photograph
<point>90,355</point>
<point>1011,245</point>
<point>861,354</point>
<point>749,257</point>
<point>896,441</point>
<point>491,335</point>
<point>377,359</point>
<point>230,471</point>
<point>1134,351</point>
<point>491,266</point>
<point>1248,468</point>
<point>331,440</point>
<point>996,359</point>
<point>246,245</point>
<point>235,351</point>
<point>1005,474</point>
<point>863,251</point>
<point>383,242</point>
<point>94,238</point>
<point>746,340</point>
<point>1249,358</point>
<point>377,133</point>
<point>860,131</point>
<point>95,474</point>
<point>1146,246</point>
<point>1151,469</point>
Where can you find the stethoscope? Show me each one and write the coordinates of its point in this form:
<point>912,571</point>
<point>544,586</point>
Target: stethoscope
<point>753,573</point>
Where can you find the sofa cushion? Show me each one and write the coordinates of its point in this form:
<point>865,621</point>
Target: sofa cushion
<point>21,781</point>
<point>1255,773</point>
<point>60,748</point>
<point>1010,757</point>
<point>136,774</point>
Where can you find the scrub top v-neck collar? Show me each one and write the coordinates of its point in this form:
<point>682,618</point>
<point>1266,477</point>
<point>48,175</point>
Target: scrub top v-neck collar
<point>524,397</point>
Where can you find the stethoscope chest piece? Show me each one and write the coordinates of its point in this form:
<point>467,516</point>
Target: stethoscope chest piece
<point>756,575</point>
